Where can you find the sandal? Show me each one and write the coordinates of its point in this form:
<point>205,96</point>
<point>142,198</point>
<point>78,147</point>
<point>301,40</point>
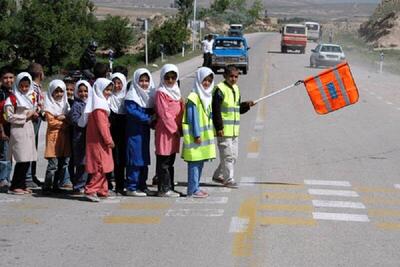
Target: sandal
<point>17,191</point>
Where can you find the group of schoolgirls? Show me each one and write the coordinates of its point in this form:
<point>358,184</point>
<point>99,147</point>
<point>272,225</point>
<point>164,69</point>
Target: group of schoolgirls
<point>111,123</point>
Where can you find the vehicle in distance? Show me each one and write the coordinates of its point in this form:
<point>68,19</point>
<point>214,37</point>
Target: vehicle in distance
<point>229,50</point>
<point>294,37</point>
<point>235,30</point>
<point>313,30</point>
<point>326,55</point>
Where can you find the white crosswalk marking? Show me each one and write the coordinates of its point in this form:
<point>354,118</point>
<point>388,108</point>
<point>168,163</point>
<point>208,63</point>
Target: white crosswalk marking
<point>209,200</point>
<point>327,182</point>
<point>397,186</point>
<point>238,225</point>
<point>330,192</point>
<point>340,217</point>
<point>338,204</point>
<point>195,212</point>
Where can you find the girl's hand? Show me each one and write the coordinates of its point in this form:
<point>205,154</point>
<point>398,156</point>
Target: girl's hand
<point>112,145</point>
<point>61,117</point>
<point>197,140</point>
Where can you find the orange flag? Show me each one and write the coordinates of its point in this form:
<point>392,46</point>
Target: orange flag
<point>332,89</point>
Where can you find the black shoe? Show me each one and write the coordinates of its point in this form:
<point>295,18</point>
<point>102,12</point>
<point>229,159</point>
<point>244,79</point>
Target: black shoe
<point>31,184</point>
<point>155,180</point>
<point>37,181</point>
<point>149,192</point>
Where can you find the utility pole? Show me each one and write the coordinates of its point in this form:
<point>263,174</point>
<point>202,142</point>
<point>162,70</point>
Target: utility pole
<point>194,24</point>
<point>146,26</point>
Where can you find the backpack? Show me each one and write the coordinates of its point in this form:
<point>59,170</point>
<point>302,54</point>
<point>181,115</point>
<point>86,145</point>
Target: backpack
<point>13,100</point>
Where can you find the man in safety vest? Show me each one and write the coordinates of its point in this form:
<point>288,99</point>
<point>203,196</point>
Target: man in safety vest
<point>227,108</point>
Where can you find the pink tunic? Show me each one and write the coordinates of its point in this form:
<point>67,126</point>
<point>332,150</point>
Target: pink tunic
<point>98,155</point>
<point>169,124</point>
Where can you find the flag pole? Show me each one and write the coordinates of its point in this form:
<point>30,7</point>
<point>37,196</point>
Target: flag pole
<point>279,91</point>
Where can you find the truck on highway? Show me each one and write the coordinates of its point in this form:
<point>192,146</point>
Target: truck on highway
<point>294,37</point>
<point>313,30</point>
<point>230,50</point>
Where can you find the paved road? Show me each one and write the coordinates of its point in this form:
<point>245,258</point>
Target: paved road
<point>314,190</point>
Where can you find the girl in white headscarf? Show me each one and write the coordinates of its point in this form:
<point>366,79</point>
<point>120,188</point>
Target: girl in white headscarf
<point>19,111</point>
<point>99,143</point>
<point>81,92</point>
<point>198,131</point>
<point>118,122</point>
<point>58,146</point>
<point>169,111</point>
<point>139,103</point>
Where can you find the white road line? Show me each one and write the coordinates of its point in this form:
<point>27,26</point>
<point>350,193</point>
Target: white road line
<point>238,225</point>
<point>398,108</point>
<point>248,181</point>
<point>259,127</point>
<point>111,200</point>
<point>329,192</point>
<point>252,155</point>
<point>195,213</point>
<point>327,182</point>
<point>217,189</point>
<point>397,186</point>
<point>389,103</point>
<point>338,204</point>
<point>379,97</point>
<point>372,93</point>
<point>209,200</point>
<point>340,217</point>
<point>10,200</point>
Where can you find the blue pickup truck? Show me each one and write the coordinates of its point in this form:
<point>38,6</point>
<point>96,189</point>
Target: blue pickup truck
<point>228,50</point>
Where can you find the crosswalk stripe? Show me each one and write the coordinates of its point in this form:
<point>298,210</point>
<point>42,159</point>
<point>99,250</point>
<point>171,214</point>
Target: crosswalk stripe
<point>331,192</point>
<point>250,181</point>
<point>209,200</point>
<point>287,196</point>
<point>283,207</point>
<point>385,201</point>
<point>397,186</point>
<point>338,204</point>
<point>286,221</point>
<point>238,225</point>
<point>131,220</point>
<point>195,212</point>
<point>366,189</point>
<point>327,182</point>
<point>340,217</point>
<point>388,226</point>
<point>217,189</point>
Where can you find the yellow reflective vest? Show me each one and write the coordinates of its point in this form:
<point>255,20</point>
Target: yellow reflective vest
<point>230,109</point>
<point>206,149</point>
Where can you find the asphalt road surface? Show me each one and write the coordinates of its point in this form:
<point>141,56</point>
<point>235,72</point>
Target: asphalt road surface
<point>314,190</point>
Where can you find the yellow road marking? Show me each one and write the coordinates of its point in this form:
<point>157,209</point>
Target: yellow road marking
<point>253,146</point>
<point>386,201</point>
<point>368,189</point>
<point>30,220</point>
<point>286,221</point>
<point>282,207</point>
<point>389,226</point>
<point>131,220</point>
<point>145,206</point>
<point>382,213</point>
<point>243,242</point>
<point>286,195</point>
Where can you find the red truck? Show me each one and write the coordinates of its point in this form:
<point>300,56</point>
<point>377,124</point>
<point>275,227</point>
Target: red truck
<point>294,37</point>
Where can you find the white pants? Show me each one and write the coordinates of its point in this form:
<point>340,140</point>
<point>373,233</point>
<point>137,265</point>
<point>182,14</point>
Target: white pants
<point>228,153</point>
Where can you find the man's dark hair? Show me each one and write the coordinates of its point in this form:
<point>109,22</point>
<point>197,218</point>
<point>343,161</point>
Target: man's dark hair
<point>35,70</point>
<point>100,70</point>
<point>6,69</point>
<point>229,69</point>
<point>121,69</point>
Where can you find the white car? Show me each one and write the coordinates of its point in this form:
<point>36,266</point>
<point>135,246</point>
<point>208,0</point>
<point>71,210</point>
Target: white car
<point>326,55</point>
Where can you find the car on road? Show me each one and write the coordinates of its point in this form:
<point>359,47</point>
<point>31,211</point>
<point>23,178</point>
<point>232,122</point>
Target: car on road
<point>229,50</point>
<point>326,55</point>
<point>294,37</point>
<point>313,30</point>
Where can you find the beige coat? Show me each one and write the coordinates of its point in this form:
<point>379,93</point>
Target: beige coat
<point>22,135</point>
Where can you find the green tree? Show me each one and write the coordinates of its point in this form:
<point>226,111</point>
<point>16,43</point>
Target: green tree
<point>53,32</point>
<point>185,8</point>
<point>220,5</point>
<point>171,35</point>
<point>116,33</point>
<point>256,9</point>
<point>8,9</point>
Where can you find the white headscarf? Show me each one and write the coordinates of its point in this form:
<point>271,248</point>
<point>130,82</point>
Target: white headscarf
<point>79,83</point>
<point>23,99</point>
<point>117,99</point>
<point>205,95</point>
<point>144,98</point>
<point>174,92</point>
<point>52,106</point>
<point>96,100</point>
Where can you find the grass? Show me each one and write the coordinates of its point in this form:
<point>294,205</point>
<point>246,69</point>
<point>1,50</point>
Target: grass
<point>356,48</point>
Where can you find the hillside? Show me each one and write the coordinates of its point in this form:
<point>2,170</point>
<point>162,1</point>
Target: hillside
<point>383,28</point>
